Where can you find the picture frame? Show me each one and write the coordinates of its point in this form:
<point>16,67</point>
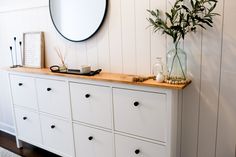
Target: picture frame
<point>33,50</point>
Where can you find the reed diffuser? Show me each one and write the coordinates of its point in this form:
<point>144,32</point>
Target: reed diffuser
<point>62,57</point>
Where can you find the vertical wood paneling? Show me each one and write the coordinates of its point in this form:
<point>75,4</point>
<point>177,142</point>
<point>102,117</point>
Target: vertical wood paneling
<point>191,97</point>
<point>128,36</point>
<point>115,36</point>
<point>226,142</point>
<point>210,77</point>
<point>92,52</point>
<point>158,41</point>
<point>72,58</point>
<point>229,36</point>
<point>81,54</point>
<point>103,47</point>
<point>124,44</point>
<point>142,37</point>
<point>76,54</point>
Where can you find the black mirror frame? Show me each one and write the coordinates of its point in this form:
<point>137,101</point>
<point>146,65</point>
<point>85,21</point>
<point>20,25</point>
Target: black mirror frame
<point>103,19</point>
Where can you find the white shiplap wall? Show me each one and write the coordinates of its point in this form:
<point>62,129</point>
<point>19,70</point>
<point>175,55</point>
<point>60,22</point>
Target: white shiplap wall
<point>124,44</point>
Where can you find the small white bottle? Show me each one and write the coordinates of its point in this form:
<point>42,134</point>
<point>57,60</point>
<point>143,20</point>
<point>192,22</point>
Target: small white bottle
<point>160,78</point>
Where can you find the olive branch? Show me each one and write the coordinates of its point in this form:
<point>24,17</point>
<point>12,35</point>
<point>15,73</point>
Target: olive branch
<point>183,18</point>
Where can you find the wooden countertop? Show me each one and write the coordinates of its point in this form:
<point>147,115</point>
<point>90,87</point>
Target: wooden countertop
<point>103,76</point>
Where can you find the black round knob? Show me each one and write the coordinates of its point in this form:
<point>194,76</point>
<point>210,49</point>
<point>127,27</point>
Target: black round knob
<point>20,84</point>
<point>87,95</point>
<point>24,118</point>
<point>90,138</point>
<point>49,89</point>
<point>137,151</point>
<point>53,126</point>
<point>136,103</point>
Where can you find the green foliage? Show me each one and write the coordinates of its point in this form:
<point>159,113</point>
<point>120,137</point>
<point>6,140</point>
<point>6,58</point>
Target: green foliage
<point>184,17</point>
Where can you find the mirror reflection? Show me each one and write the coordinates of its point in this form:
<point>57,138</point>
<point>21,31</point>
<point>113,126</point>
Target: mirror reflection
<point>77,20</point>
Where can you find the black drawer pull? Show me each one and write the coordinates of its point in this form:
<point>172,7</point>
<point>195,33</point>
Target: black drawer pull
<point>24,118</point>
<point>49,89</point>
<point>87,95</point>
<point>136,103</point>
<point>90,138</point>
<point>53,126</point>
<point>20,84</point>
<point>137,151</point>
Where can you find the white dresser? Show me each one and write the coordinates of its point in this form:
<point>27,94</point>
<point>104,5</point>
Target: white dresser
<point>76,116</point>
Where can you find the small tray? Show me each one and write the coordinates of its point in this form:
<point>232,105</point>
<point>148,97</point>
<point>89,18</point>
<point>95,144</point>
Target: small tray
<point>75,72</point>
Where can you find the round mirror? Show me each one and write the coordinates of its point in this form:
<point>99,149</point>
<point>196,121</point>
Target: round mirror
<point>77,20</point>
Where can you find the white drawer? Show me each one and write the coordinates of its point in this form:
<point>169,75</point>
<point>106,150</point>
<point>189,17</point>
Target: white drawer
<point>28,126</point>
<point>53,97</point>
<point>140,113</point>
<point>91,142</point>
<point>23,91</point>
<point>91,104</point>
<point>129,147</point>
<point>57,135</point>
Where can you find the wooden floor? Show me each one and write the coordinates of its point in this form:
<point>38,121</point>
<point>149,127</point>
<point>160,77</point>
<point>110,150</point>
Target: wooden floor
<point>8,142</point>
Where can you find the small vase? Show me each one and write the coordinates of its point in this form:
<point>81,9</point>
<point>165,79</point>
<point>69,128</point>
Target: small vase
<point>176,63</point>
<point>157,67</point>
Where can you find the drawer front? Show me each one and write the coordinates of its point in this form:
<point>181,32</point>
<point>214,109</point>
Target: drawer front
<point>23,91</point>
<point>91,142</point>
<point>129,147</point>
<point>28,126</point>
<point>57,135</point>
<point>140,113</point>
<point>91,104</point>
<point>53,97</point>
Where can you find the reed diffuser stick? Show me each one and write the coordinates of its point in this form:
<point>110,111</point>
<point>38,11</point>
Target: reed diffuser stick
<point>61,56</point>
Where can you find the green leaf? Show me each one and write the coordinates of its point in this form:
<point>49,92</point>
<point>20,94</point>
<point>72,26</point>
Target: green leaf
<point>192,4</point>
<point>212,8</point>
<point>186,8</point>
<point>168,15</point>
<point>202,26</point>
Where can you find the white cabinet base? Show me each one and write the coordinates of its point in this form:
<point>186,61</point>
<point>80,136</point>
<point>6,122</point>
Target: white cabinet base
<point>87,118</point>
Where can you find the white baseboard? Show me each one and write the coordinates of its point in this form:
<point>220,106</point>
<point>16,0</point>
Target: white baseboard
<point>7,128</point>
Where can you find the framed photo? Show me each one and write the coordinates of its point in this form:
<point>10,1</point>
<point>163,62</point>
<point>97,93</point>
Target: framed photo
<point>33,49</point>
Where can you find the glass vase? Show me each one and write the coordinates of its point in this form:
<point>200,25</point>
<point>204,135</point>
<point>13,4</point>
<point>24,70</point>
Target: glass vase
<point>176,60</point>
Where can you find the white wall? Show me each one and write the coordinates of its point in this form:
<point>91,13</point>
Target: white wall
<point>125,45</point>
